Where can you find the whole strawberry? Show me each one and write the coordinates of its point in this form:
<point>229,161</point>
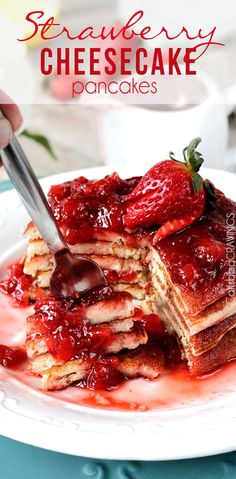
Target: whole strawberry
<point>172,195</point>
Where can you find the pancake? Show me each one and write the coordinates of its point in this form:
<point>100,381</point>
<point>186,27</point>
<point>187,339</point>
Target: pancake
<point>71,336</point>
<point>121,340</point>
<point>184,278</point>
<point>56,376</point>
<point>122,265</point>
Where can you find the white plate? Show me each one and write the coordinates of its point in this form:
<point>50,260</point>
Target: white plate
<point>187,429</point>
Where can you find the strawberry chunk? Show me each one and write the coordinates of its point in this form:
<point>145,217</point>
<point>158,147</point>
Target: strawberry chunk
<point>153,325</point>
<point>104,376</point>
<point>11,357</point>
<point>210,251</point>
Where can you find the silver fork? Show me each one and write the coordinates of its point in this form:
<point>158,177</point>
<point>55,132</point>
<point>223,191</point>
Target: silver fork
<point>73,275</point>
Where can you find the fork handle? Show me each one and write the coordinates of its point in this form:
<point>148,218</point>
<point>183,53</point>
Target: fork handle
<point>27,185</point>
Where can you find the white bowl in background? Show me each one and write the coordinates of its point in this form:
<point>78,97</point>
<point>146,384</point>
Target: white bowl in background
<point>134,133</point>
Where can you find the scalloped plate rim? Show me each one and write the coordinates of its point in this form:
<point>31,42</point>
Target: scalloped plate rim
<point>140,428</point>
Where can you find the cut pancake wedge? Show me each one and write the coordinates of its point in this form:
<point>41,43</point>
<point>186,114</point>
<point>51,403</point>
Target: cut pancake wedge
<point>184,278</point>
<point>56,376</point>
<point>65,339</point>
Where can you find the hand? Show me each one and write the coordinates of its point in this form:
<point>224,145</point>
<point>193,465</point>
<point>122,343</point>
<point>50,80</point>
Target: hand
<point>10,121</point>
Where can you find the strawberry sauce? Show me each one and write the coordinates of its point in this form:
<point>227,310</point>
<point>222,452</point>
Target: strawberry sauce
<point>174,389</point>
<point>11,357</point>
<point>103,376</point>
<point>17,284</point>
<point>69,335</point>
<point>83,208</point>
<point>114,277</point>
<point>195,258</point>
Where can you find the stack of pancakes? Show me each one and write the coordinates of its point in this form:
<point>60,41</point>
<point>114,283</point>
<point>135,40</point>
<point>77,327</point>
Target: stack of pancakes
<point>205,324</point>
<point>180,279</point>
<point>122,264</point>
<point>116,314</point>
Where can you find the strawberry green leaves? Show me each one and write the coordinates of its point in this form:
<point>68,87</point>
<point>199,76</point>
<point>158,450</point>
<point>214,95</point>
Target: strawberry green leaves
<point>193,158</point>
<point>197,182</point>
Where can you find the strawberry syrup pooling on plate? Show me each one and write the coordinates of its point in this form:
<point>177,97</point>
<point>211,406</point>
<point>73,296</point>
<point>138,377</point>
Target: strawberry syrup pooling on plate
<point>193,257</point>
<point>84,208</point>
<point>174,389</point>
<point>11,357</point>
<point>70,336</point>
<point>154,205</point>
<point>17,284</point>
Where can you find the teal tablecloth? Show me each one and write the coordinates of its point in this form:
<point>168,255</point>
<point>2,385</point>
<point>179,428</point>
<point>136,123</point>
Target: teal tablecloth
<point>19,461</point>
